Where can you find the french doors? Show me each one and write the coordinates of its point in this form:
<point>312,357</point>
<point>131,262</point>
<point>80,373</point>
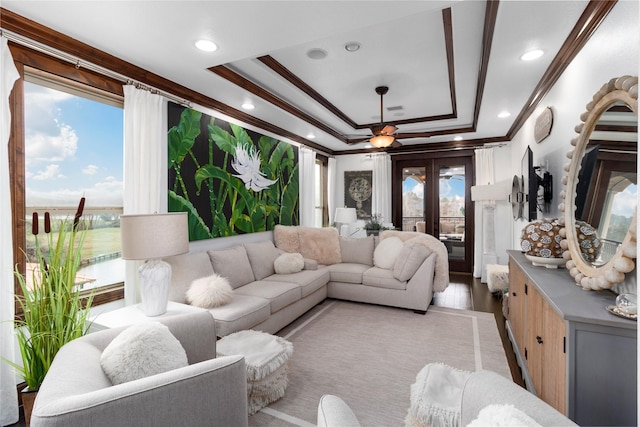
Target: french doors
<point>433,195</point>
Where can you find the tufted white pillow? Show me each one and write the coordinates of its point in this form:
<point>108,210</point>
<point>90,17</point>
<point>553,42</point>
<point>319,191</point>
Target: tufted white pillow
<point>387,252</point>
<point>209,292</point>
<point>142,350</point>
<point>288,263</point>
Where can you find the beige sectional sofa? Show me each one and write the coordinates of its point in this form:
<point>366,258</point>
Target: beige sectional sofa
<point>352,269</point>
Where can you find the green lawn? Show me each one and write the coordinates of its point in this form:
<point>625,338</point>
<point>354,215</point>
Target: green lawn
<point>101,241</point>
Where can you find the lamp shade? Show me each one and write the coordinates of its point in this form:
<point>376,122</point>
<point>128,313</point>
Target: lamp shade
<point>154,236</point>
<point>346,215</point>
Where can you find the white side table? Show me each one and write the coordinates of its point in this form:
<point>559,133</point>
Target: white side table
<point>133,314</point>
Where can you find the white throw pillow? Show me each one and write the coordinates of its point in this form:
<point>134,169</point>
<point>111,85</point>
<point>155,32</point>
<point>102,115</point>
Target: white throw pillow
<point>502,416</point>
<point>386,253</point>
<point>209,292</point>
<point>142,350</point>
<point>288,263</point>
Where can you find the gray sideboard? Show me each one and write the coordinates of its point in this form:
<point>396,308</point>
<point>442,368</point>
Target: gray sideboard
<point>573,353</point>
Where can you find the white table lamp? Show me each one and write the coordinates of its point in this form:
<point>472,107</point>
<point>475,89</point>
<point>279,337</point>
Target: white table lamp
<point>151,237</point>
<point>344,217</point>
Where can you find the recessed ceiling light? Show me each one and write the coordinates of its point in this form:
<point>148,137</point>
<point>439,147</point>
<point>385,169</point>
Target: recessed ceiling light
<point>248,106</point>
<point>531,55</point>
<point>317,53</point>
<point>352,46</point>
<point>457,138</point>
<point>310,136</point>
<point>504,114</point>
<point>206,45</point>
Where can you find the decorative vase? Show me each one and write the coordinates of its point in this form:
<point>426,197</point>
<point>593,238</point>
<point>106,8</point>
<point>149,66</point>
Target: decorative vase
<point>28,398</point>
<point>540,241</point>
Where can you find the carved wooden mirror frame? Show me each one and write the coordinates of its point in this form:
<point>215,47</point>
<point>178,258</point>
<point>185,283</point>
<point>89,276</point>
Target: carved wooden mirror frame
<point>622,89</point>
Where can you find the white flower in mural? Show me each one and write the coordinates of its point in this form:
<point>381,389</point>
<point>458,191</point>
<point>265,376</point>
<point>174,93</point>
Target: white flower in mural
<point>247,164</point>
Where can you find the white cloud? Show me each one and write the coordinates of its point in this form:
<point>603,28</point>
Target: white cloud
<point>50,172</point>
<point>51,147</point>
<point>445,188</point>
<point>625,202</point>
<point>90,170</point>
<point>418,190</point>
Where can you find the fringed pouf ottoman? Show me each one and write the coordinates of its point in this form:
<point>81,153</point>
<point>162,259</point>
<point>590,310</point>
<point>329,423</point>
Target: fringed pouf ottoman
<point>266,357</point>
<point>497,277</point>
<point>436,396</point>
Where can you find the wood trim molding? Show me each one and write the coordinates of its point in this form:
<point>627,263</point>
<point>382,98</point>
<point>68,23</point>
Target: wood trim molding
<point>447,23</point>
<point>593,15</point>
<point>490,18</point>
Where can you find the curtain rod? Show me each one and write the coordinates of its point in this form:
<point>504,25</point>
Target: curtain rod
<point>23,41</point>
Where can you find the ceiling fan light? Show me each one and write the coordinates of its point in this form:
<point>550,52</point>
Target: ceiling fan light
<point>382,141</point>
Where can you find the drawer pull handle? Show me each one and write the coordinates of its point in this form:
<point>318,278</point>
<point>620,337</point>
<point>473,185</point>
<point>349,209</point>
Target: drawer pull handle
<point>513,293</point>
<point>539,339</point>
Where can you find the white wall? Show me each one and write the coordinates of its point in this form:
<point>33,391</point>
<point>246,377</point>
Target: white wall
<point>611,52</point>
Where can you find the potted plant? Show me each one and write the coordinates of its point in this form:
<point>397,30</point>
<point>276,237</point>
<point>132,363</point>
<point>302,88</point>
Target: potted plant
<point>52,308</point>
<point>374,225</point>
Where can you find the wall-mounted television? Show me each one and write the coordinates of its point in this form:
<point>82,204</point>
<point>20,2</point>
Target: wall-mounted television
<point>530,184</point>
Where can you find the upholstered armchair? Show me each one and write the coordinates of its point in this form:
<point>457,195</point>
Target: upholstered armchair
<point>209,391</point>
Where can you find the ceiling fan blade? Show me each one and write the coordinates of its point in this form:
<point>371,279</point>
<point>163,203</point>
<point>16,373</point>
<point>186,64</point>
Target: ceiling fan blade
<point>357,140</point>
<point>409,135</point>
<point>396,144</point>
<point>388,129</point>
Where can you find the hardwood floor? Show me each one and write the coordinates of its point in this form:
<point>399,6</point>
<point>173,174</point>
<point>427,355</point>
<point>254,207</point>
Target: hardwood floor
<point>468,293</point>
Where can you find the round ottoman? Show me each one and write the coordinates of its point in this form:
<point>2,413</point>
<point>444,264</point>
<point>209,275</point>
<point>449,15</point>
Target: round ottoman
<point>266,357</point>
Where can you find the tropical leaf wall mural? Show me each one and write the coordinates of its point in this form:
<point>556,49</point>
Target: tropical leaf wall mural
<point>228,179</point>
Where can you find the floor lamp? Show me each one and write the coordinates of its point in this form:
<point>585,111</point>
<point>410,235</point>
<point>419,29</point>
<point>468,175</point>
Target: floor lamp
<point>489,194</point>
<point>152,237</point>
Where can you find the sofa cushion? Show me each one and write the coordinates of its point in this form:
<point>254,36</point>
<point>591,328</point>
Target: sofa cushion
<point>357,251</point>
<point>286,238</point>
<point>409,260</point>
<point>279,294</point>
<point>502,415</point>
<point>308,280</point>
<point>142,350</point>
<point>288,263</point>
<point>261,258</point>
<point>382,278</point>
<point>386,253</point>
<point>184,270</point>
<point>320,244</point>
<point>208,292</point>
<point>242,312</point>
<point>233,264</point>
<point>347,272</point>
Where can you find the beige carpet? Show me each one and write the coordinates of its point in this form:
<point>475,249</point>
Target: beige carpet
<point>370,355</point>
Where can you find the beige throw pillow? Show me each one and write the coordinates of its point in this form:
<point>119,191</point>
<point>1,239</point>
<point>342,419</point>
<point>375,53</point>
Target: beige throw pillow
<point>233,264</point>
<point>357,251</point>
<point>320,244</point>
<point>387,252</point>
<point>261,257</point>
<point>409,260</point>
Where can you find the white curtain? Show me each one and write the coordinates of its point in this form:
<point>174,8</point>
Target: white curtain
<point>381,191</point>
<point>145,165</point>
<point>306,169</point>
<point>8,394</point>
<point>484,176</point>
<point>331,188</point>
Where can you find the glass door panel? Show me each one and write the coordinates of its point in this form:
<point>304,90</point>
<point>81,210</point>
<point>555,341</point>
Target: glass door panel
<point>451,210</point>
<point>413,186</point>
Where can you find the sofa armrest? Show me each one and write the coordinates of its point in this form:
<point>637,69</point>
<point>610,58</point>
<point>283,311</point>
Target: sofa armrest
<point>334,412</point>
<point>485,388</point>
<point>213,392</point>
<point>421,284</point>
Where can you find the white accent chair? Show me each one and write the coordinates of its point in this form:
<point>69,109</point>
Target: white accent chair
<point>209,391</point>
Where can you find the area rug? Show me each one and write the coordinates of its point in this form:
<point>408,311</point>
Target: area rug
<point>370,355</point>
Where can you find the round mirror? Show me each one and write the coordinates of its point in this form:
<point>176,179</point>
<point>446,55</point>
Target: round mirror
<point>600,188</point>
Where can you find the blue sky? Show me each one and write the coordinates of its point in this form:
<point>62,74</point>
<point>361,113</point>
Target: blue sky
<point>73,148</point>
<point>448,188</point>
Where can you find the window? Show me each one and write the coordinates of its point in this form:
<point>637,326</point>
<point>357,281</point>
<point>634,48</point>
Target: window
<point>73,148</point>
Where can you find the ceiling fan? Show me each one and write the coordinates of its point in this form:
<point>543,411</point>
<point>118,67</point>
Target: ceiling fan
<point>384,134</point>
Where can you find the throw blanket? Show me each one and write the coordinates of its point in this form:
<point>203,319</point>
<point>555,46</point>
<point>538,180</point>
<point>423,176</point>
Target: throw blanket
<point>441,279</point>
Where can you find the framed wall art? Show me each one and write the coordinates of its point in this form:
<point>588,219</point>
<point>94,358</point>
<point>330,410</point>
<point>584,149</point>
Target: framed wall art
<point>357,192</point>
